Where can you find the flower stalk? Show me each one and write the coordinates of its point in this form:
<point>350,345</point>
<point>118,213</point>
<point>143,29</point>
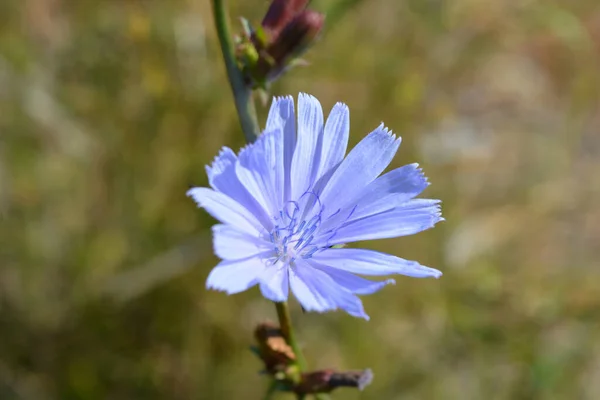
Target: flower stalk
<point>246,111</point>
<point>242,94</point>
<point>287,330</point>
<point>285,322</point>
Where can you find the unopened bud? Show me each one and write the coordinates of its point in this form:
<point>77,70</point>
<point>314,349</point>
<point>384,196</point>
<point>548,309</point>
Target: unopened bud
<point>287,30</point>
<point>272,348</point>
<point>280,13</point>
<point>296,36</point>
<point>326,380</point>
<point>293,40</point>
<point>357,379</point>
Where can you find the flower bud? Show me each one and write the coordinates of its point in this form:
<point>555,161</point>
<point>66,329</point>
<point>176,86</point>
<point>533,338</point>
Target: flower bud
<point>296,37</point>
<point>280,13</point>
<point>287,30</point>
<point>272,348</point>
<point>325,381</point>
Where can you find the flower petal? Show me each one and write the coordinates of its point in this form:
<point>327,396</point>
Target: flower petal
<point>281,116</point>
<point>363,164</point>
<point>234,276</point>
<point>335,138</point>
<point>260,170</point>
<point>390,190</point>
<point>226,210</point>
<point>232,244</point>
<point>220,165</point>
<point>369,262</point>
<point>317,291</point>
<point>412,217</point>
<point>307,153</point>
<point>274,283</point>
<point>384,193</point>
<point>350,282</point>
<point>223,178</point>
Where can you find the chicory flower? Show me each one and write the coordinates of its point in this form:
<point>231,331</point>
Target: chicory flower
<point>288,202</point>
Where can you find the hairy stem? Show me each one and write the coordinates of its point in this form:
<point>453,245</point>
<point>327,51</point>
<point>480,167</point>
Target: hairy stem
<point>242,94</point>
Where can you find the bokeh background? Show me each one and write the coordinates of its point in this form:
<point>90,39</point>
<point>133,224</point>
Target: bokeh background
<point>110,109</point>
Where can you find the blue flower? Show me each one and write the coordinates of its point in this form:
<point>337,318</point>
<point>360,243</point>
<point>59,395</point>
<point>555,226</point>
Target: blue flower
<point>288,200</point>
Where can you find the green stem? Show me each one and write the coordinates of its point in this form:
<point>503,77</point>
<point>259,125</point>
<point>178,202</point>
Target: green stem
<point>246,111</point>
<point>285,322</point>
<point>242,94</point>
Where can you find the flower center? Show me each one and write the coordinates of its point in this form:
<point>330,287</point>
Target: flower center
<point>292,236</point>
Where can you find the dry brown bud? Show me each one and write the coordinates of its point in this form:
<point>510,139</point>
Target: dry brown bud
<point>273,349</point>
<point>325,381</point>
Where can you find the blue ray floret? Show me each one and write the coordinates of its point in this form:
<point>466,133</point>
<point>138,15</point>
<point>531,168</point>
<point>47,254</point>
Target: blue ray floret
<point>287,200</point>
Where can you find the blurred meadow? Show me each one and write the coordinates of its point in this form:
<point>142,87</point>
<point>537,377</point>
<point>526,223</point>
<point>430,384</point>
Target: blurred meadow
<point>110,109</point>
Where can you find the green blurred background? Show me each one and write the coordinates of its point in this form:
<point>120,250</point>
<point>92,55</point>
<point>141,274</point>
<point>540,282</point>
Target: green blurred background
<point>110,109</point>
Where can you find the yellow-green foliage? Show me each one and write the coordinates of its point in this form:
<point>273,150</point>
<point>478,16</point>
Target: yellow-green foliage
<point>110,109</point>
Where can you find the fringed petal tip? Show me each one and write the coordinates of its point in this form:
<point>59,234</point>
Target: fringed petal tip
<point>306,96</point>
<point>282,110</point>
<point>420,174</point>
<point>383,128</point>
<point>277,99</point>
<point>217,287</point>
<point>196,194</point>
<point>222,160</point>
<point>431,272</point>
<point>363,315</point>
<point>249,145</point>
<point>192,193</point>
<point>213,281</point>
<point>228,292</point>
<point>212,286</point>
<point>343,106</point>
<point>417,270</point>
<point>436,214</point>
